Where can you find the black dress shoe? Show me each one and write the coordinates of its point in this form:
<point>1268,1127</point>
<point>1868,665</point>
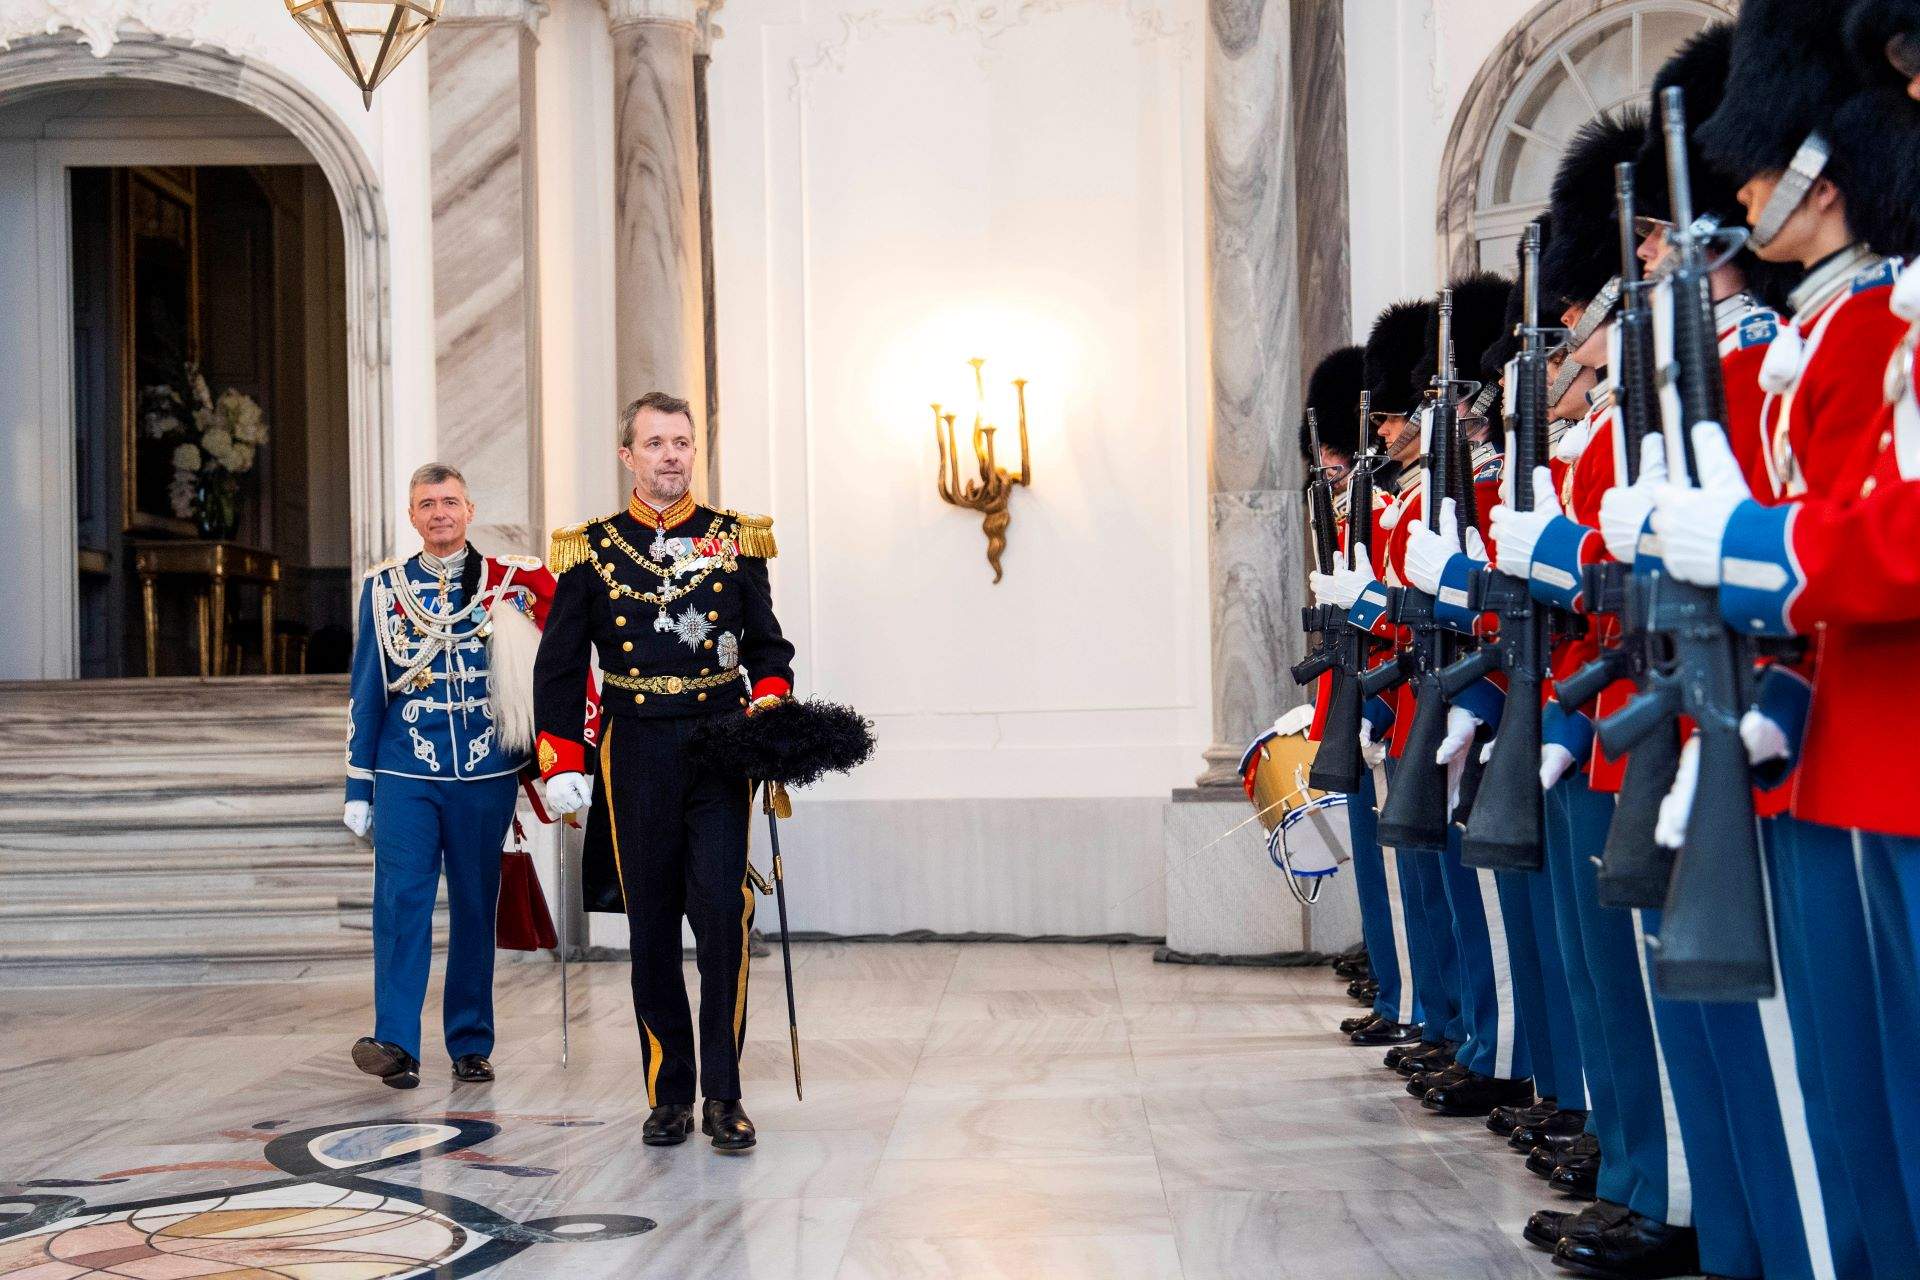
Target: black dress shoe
<point>1561,1147</point>
<point>1399,1053</point>
<point>396,1068</point>
<point>1380,1032</point>
<point>1350,1025</point>
<point>1420,1082</point>
<point>1439,1058</point>
<point>725,1121</point>
<point>668,1125</point>
<point>1363,990</point>
<point>1476,1095</point>
<point>1563,1126</point>
<point>1549,1227</point>
<point>1504,1120</point>
<point>1578,1179</point>
<point>472,1068</point>
<point>1351,967</point>
<point>1638,1248</point>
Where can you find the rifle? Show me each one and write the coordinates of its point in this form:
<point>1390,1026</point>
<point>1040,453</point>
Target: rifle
<point>1634,868</point>
<point>1320,619</point>
<point>1337,765</point>
<point>1417,813</point>
<point>1506,831</point>
<point>1715,940</point>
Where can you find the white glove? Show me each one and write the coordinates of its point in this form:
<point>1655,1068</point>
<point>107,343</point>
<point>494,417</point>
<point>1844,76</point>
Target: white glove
<point>1428,551</point>
<point>1555,761</point>
<point>1764,737</point>
<point>1517,532</point>
<point>1624,510</point>
<point>1343,586</point>
<point>1374,753</point>
<point>1670,830</point>
<point>1298,720</point>
<point>358,817</point>
<point>569,792</point>
<point>1691,522</point>
<point>1486,752</point>
<point>1461,725</point>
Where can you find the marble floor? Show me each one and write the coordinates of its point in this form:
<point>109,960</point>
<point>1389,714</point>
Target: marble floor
<point>971,1111</point>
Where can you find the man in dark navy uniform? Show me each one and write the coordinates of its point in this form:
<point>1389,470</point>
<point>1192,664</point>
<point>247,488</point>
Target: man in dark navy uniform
<point>674,599</point>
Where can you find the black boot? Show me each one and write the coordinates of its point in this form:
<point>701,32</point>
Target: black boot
<point>1549,1227</point>
<point>1380,1032</point>
<point>1637,1248</point>
<point>1561,1125</point>
<point>668,1125</point>
<point>725,1121</point>
<point>1577,1178</point>
<point>1476,1095</point>
<point>1504,1120</point>
<point>1419,1083</point>
<point>396,1068</point>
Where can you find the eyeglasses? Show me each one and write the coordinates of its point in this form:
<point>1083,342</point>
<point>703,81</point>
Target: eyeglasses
<point>1646,225</point>
<point>1380,418</point>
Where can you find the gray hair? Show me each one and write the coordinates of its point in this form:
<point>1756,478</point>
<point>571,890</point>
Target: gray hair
<point>436,473</point>
<point>659,402</point>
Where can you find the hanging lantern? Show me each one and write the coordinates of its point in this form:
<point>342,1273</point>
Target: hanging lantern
<point>368,38</point>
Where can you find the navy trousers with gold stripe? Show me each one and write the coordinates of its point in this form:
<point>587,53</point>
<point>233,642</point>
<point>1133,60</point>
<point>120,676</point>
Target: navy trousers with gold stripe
<point>680,844</point>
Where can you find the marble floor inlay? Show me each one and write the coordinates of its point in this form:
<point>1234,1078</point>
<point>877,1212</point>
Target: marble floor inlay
<point>994,1111</point>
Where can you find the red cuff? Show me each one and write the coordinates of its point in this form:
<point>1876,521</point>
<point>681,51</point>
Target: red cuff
<point>771,687</point>
<point>560,755</point>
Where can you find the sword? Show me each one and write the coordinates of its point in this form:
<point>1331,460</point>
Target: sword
<point>775,796</point>
<point>566,915</point>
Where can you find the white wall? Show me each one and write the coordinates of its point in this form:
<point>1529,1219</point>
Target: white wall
<point>892,197</point>
<point>1409,63</point>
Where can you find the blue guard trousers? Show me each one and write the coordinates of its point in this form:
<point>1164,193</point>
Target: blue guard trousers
<point>420,825</point>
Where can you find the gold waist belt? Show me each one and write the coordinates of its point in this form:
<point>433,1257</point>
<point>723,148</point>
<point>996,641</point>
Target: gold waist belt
<point>671,684</point>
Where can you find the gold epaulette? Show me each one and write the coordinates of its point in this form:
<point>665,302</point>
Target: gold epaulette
<point>754,535</point>
<point>519,562</point>
<point>382,567</point>
<point>567,548</point>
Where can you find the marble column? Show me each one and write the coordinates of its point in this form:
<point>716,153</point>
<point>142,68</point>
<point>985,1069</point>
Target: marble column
<point>659,301</point>
<point>485,287</point>
<point>1254,471</point>
<point>1320,178</point>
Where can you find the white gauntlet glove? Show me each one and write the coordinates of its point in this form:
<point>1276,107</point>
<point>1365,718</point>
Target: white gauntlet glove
<point>1624,509</point>
<point>1429,552</point>
<point>1516,533</point>
<point>1691,522</point>
<point>358,817</point>
<point>569,792</point>
<point>1343,586</point>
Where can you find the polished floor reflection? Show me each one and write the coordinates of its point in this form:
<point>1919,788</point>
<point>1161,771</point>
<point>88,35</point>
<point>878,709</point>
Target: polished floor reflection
<point>972,1111</point>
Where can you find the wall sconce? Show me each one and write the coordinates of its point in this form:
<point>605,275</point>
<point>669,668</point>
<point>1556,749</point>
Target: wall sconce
<point>988,494</point>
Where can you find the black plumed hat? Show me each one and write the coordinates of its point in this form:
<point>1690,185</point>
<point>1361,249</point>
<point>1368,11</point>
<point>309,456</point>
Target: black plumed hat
<point>1585,251</point>
<point>1393,350</point>
<point>1333,394</point>
<point>1875,133</point>
<point>1787,77</point>
<point>794,743</point>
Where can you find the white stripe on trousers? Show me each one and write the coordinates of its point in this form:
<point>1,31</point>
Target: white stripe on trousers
<point>1679,1181</point>
<point>1397,914</point>
<point>1777,1029</point>
<point>1502,974</point>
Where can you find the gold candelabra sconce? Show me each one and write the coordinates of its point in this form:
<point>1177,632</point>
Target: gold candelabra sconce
<point>988,494</point>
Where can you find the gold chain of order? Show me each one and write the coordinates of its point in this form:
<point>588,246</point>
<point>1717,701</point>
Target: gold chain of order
<point>613,536</point>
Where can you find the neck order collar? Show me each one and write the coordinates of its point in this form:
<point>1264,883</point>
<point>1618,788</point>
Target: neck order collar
<point>1829,277</point>
<point>679,512</point>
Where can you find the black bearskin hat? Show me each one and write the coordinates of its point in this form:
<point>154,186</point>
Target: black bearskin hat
<point>1788,76</point>
<point>1479,317</point>
<point>1585,251</point>
<point>1393,349</point>
<point>1333,394</point>
<point>795,743</point>
<point>1876,132</point>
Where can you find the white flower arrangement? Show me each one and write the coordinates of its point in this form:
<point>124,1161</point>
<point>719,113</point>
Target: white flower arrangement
<point>214,441</point>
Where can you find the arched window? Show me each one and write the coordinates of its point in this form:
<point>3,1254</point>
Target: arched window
<point>1562,64</point>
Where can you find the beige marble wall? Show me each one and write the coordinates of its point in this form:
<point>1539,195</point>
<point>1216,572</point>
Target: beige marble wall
<point>1254,471</point>
<point>485,286</point>
<point>659,320</point>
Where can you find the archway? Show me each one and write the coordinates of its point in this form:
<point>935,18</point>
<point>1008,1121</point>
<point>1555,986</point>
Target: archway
<point>38,443</point>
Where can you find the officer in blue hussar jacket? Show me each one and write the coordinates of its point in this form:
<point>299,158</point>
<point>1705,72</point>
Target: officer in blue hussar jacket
<point>441,725</point>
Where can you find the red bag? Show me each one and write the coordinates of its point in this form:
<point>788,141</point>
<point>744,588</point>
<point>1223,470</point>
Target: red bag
<point>522,922</point>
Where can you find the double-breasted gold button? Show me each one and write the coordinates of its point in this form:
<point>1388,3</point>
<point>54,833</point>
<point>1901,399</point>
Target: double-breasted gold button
<point>639,697</point>
<point>626,646</point>
<point>620,621</point>
<point>713,617</point>
<point>701,698</point>
<point>709,644</point>
<point>719,586</point>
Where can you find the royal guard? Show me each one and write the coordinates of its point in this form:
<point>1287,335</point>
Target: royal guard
<point>673,598</point>
<point>440,728</point>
